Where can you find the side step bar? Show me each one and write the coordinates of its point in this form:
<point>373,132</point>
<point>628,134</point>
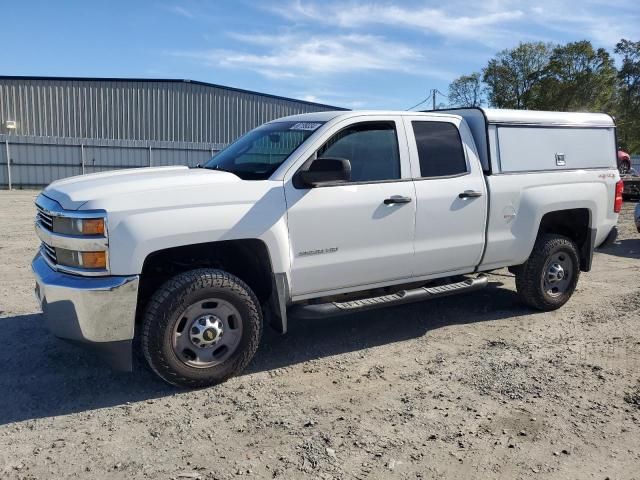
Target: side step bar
<point>322,310</point>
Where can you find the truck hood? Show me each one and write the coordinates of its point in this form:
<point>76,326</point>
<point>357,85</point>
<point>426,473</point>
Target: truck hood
<point>99,188</point>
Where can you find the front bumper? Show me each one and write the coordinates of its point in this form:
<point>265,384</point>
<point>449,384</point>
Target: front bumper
<point>96,311</point>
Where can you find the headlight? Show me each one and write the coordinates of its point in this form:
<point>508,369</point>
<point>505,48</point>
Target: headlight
<point>78,226</point>
<point>91,260</point>
<point>74,242</point>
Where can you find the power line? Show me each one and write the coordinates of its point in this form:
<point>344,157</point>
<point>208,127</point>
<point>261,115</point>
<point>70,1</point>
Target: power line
<point>432,95</point>
<point>418,104</point>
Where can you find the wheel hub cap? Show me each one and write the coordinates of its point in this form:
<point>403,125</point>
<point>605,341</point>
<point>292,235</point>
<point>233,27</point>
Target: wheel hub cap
<point>206,331</point>
<point>556,273</point>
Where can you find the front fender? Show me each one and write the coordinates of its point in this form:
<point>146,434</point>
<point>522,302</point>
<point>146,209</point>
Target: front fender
<point>134,235</point>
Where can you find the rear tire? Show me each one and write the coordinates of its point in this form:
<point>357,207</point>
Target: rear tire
<point>201,328</point>
<point>549,277</point>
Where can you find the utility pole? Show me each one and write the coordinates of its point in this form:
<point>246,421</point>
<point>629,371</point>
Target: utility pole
<point>432,93</point>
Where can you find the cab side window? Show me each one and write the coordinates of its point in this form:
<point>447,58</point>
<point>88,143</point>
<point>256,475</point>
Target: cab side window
<point>439,149</point>
<point>372,149</point>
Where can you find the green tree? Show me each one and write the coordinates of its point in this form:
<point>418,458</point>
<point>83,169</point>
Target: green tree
<point>513,76</point>
<point>466,91</point>
<point>577,77</point>
<point>628,98</point>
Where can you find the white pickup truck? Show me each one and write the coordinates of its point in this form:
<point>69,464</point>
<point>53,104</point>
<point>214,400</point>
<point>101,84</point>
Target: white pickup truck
<point>321,214</point>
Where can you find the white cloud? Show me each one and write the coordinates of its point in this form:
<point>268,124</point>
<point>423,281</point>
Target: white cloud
<point>302,55</point>
<point>603,25</point>
<point>494,23</point>
<point>178,10</point>
<point>482,25</point>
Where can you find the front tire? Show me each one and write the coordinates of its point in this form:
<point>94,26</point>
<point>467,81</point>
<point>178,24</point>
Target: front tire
<point>201,328</point>
<point>549,277</point>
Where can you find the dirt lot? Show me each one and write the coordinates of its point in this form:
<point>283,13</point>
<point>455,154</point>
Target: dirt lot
<point>462,387</point>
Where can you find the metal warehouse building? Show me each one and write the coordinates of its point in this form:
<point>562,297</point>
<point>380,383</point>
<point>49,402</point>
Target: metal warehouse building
<point>52,127</point>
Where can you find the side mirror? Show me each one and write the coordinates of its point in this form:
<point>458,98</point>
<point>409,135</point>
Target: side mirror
<point>324,171</point>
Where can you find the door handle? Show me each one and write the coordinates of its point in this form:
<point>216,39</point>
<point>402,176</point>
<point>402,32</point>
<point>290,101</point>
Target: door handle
<point>470,194</point>
<point>396,199</point>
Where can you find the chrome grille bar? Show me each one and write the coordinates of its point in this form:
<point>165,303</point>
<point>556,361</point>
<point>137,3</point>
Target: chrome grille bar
<point>45,218</point>
<point>50,253</point>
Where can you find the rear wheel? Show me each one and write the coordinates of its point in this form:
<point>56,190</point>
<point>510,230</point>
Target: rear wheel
<point>549,277</point>
<point>201,328</point>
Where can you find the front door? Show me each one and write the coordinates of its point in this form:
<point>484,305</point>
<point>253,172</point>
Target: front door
<point>346,236</point>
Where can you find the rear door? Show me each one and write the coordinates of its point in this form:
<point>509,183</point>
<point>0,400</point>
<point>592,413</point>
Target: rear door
<point>451,196</point>
<point>346,236</point>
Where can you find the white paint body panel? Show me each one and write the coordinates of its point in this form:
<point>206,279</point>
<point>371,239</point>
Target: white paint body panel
<point>524,149</point>
<point>529,196</point>
<point>435,235</point>
<point>374,241</point>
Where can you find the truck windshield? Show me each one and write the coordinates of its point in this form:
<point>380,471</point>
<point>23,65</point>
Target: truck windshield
<point>257,154</point>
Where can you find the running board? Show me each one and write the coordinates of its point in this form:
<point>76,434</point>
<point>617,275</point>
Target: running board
<point>404,296</point>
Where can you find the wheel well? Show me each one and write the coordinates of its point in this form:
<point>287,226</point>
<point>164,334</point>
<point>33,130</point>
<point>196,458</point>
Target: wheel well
<point>247,259</point>
<point>573,224</point>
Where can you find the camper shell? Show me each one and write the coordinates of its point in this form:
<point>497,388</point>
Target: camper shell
<point>517,141</point>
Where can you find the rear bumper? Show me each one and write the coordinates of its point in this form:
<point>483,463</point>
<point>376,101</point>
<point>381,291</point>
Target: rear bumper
<point>94,311</point>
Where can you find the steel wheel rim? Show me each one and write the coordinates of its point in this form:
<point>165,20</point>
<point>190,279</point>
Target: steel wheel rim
<point>207,333</point>
<point>558,273</point>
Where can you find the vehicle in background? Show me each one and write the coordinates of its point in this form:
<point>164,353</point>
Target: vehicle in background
<point>630,178</point>
<point>322,214</point>
<point>624,162</point>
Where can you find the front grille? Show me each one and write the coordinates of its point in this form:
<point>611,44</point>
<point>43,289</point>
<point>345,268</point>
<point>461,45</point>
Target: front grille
<point>44,218</point>
<point>50,253</point>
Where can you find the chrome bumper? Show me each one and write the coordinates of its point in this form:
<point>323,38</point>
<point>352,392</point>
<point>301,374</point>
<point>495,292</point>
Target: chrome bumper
<point>99,311</point>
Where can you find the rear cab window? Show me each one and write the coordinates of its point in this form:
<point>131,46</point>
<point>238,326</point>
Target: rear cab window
<point>440,149</point>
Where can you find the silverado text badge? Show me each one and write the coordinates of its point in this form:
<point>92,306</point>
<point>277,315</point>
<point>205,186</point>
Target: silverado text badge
<point>318,252</point>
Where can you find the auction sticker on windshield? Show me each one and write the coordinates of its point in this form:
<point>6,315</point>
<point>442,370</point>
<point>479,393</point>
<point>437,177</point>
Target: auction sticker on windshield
<point>305,126</point>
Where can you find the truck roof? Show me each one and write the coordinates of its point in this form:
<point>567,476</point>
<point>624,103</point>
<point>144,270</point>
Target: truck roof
<point>332,114</point>
<point>491,115</point>
<point>537,117</point>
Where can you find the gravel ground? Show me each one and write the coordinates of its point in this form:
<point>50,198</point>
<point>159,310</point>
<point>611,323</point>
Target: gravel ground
<point>473,386</point>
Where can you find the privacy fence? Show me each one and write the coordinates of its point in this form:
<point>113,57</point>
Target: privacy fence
<point>34,162</point>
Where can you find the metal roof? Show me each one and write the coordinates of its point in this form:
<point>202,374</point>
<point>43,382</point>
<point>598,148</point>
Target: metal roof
<point>165,80</point>
<point>143,109</point>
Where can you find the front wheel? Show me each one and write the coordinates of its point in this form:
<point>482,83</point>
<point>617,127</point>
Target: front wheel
<point>201,328</point>
<point>549,277</point>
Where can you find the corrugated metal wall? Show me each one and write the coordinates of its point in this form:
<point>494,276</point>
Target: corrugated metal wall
<point>64,126</point>
<point>37,161</point>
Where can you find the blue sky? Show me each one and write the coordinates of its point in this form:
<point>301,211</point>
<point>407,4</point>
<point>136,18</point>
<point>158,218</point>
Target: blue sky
<point>357,54</point>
